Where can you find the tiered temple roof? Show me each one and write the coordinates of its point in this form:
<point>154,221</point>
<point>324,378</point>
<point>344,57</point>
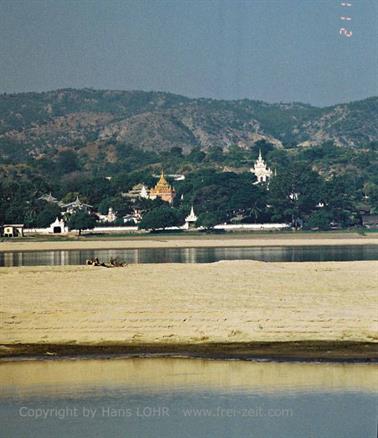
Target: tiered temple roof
<point>76,205</point>
<point>163,190</point>
<point>48,198</point>
<point>138,191</point>
<point>261,170</point>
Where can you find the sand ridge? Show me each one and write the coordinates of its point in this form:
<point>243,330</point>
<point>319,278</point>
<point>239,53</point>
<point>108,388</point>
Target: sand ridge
<point>230,301</point>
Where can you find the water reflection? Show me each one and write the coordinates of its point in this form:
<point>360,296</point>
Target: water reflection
<point>52,378</point>
<point>194,255</point>
<point>173,398</point>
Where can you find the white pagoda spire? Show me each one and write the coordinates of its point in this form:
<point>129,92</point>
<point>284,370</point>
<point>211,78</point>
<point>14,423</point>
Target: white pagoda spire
<point>192,216</point>
<point>261,170</point>
<point>191,219</point>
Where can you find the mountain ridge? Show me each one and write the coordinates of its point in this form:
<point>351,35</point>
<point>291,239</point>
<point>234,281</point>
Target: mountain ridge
<point>40,124</point>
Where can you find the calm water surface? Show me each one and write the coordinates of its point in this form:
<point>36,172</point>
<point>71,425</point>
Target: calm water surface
<point>171,398</point>
<point>194,255</point>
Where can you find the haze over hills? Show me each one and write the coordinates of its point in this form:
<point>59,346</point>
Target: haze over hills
<point>41,124</point>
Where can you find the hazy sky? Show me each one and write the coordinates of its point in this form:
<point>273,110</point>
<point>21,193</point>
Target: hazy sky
<point>273,50</point>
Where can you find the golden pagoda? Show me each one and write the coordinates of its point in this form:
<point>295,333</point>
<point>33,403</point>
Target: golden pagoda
<point>163,190</point>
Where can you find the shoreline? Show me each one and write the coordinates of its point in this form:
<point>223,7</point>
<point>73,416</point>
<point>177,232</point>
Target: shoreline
<point>299,351</point>
<point>161,241</point>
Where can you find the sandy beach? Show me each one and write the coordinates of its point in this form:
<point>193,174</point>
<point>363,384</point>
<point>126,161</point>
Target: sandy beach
<point>193,241</point>
<point>224,303</point>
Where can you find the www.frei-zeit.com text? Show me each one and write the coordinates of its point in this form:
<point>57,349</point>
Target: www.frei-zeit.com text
<point>91,412</point>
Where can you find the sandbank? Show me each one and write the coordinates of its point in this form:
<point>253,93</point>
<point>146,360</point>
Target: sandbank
<point>226,309</point>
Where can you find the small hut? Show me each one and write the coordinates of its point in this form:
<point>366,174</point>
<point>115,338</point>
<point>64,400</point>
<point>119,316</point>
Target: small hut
<point>12,230</point>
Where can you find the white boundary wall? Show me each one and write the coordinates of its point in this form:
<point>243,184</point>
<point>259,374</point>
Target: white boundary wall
<point>37,231</point>
<point>120,229</point>
<point>94,230</point>
<point>113,229</point>
<point>252,227</point>
<point>237,227</point>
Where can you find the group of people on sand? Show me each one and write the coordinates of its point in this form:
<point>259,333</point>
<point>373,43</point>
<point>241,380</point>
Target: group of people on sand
<point>113,263</point>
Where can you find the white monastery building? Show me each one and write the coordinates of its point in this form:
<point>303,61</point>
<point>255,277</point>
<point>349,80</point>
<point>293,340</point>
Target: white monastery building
<point>261,170</point>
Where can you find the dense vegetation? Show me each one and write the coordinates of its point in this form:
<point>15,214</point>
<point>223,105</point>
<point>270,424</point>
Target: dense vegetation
<point>98,144</point>
<point>305,180</point>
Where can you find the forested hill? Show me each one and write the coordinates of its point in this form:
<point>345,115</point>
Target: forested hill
<point>42,124</point>
<point>98,144</point>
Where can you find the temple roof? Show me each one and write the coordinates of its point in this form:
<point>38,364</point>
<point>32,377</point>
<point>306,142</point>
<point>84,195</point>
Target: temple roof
<point>260,166</point>
<point>76,203</point>
<point>48,198</point>
<point>137,191</point>
<point>162,181</point>
<point>162,185</point>
<point>137,187</point>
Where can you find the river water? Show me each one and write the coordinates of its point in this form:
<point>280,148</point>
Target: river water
<point>174,398</point>
<point>171,398</point>
<point>194,255</point>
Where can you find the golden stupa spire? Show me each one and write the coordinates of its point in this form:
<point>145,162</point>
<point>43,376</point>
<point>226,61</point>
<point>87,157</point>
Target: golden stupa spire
<point>162,179</point>
<point>162,183</point>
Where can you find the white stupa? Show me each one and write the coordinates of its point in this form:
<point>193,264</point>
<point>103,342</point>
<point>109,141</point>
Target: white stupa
<point>191,219</point>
